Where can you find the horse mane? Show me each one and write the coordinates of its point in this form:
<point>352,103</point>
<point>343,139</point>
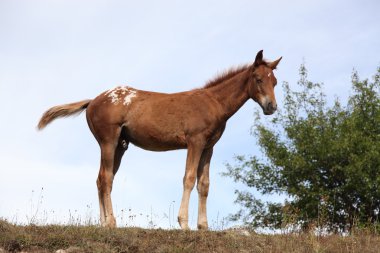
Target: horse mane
<point>225,75</point>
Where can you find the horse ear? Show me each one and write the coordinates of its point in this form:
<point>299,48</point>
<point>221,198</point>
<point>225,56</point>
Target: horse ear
<point>258,59</point>
<point>274,64</point>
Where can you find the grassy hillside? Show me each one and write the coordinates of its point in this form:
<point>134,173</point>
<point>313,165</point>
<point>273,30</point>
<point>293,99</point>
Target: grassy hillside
<point>72,239</point>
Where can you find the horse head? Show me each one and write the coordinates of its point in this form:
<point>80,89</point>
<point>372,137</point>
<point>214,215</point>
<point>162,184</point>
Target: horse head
<point>262,82</point>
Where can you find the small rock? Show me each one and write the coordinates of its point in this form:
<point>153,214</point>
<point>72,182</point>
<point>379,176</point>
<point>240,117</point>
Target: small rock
<point>68,250</point>
<point>243,232</point>
<point>239,230</point>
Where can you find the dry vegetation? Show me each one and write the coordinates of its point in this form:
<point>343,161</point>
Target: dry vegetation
<point>72,239</point>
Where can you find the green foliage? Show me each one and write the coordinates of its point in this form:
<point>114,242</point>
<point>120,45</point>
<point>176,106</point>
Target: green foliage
<point>325,158</point>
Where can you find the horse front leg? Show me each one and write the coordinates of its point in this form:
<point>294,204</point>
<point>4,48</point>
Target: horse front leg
<point>194,152</point>
<point>203,183</point>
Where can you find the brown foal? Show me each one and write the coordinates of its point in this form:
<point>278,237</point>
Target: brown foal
<point>192,120</point>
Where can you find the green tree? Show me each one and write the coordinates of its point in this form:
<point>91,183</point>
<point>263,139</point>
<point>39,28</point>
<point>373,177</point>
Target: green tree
<point>326,159</point>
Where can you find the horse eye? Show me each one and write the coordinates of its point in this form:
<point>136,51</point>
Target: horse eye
<point>259,81</point>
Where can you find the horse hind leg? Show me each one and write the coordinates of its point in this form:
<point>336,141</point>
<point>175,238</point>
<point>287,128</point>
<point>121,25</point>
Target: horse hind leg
<point>104,183</point>
<point>119,152</point>
<point>111,155</point>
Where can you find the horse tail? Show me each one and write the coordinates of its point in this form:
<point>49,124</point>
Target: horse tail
<point>62,111</point>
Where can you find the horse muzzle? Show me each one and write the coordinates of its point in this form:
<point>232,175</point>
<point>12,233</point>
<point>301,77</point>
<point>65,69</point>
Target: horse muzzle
<point>269,108</point>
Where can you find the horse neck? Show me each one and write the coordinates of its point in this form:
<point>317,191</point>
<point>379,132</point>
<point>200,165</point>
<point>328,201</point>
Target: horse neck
<point>231,93</point>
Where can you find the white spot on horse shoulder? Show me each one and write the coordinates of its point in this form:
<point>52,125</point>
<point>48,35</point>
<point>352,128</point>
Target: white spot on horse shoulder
<point>269,74</point>
<point>128,98</point>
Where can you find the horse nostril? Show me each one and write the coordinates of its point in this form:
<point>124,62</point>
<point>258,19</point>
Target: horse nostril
<point>272,106</point>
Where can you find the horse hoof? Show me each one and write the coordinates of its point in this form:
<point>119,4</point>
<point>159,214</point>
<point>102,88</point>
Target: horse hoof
<point>203,226</point>
<point>183,224</point>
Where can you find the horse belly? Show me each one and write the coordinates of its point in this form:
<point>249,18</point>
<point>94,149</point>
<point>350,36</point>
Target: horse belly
<point>154,139</point>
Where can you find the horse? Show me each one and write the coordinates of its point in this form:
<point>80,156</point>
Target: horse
<point>193,120</point>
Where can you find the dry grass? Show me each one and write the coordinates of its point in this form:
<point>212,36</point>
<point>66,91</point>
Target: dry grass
<point>72,239</point>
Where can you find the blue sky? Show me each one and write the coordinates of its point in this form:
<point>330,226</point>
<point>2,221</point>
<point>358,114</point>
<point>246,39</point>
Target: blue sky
<point>55,52</point>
